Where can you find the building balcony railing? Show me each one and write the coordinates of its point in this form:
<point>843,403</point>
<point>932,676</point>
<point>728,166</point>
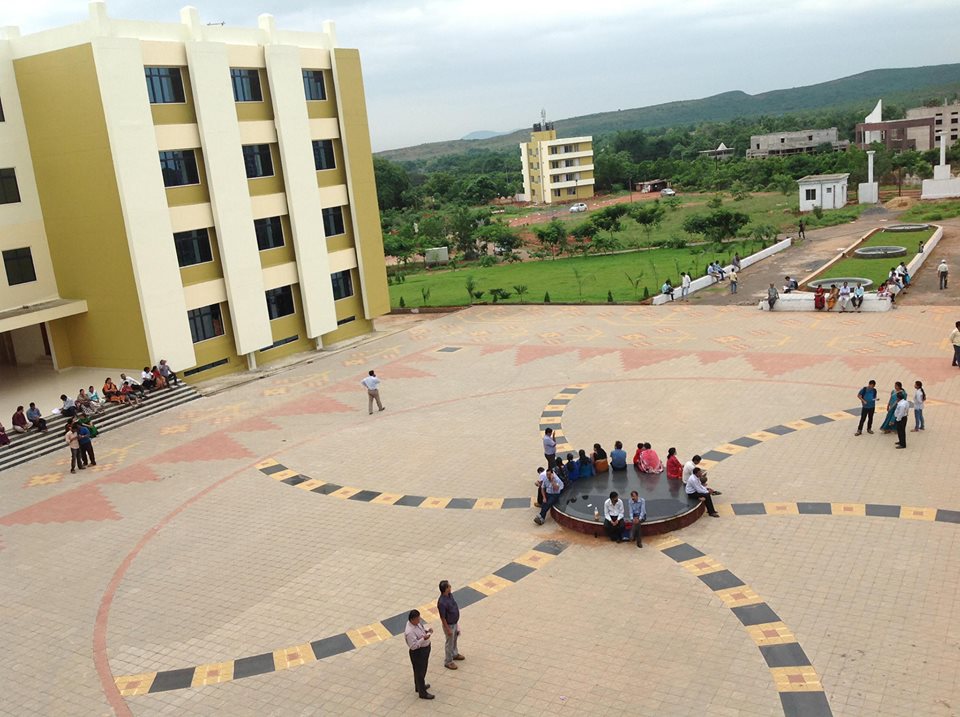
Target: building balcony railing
<point>571,170</point>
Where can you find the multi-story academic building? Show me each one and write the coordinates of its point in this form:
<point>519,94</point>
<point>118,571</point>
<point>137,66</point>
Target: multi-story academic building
<point>556,170</point>
<point>193,192</point>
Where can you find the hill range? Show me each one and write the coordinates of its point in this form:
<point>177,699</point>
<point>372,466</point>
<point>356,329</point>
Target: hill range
<point>908,86</point>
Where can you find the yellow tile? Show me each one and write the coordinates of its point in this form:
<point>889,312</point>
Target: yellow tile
<point>781,508</point>
<point>534,559</point>
<point>429,612</point>
<point>435,503</point>
<point>770,633</point>
<point>724,509</point>
<point>858,509</point>
<point>564,447</point>
<point>555,407</point>
<point>288,657</point>
<point>730,448</point>
<point>574,395</point>
<point>344,492</point>
<point>265,464</point>
<point>133,685</point>
<point>488,504</point>
<point>213,674</point>
<point>310,484</point>
<point>281,475</point>
<point>762,436</point>
<point>739,596</point>
<point>578,385</point>
<point>909,512</point>
<point>796,679</point>
<point>706,464</point>
<point>490,584</point>
<point>387,498</point>
<point>840,415</point>
<point>368,634</point>
<point>702,565</point>
<point>551,420</point>
<point>799,425</point>
<point>662,542</point>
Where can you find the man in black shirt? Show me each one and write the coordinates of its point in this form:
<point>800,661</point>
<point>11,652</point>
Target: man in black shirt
<point>450,617</point>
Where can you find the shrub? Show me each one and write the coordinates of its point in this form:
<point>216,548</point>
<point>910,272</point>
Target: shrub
<point>546,298</point>
<point>609,296</point>
<point>818,212</point>
<point>646,292</point>
<point>403,304</point>
<point>675,242</point>
<point>487,261</point>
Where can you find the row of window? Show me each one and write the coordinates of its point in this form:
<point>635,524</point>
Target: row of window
<point>18,265</point>
<point>9,190</point>
<point>179,166</point>
<point>207,322</point>
<point>193,246</point>
<point>165,85</point>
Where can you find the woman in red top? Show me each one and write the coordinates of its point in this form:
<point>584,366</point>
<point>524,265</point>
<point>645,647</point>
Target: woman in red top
<point>674,466</point>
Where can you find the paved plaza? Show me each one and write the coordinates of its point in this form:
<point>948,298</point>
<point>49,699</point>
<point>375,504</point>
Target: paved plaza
<point>256,552</point>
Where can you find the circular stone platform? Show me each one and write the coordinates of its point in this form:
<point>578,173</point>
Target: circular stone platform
<point>906,228</point>
<point>668,507</point>
<point>880,252</point>
<point>852,282</point>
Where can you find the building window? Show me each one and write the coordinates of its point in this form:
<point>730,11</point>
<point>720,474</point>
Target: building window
<point>205,323</point>
<point>19,266</point>
<point>342,285</point>
<point>313,86</point>
<point>348,320</point>
<point>269,233</point>
<point>164,85</point>
<point>333,221</point>
<point>193,247</point>
<point>829,190</point>
<point>2,118</point>
<point>571,191</point>
<point>281,342</point>
<point>323,154</point>
<point>280,302</point>
<point>246,85</point>
<point>179,168</point>
<point>811,195</point>
<point>206,367</point>
<point>257,160</point>
<point>9,190</point>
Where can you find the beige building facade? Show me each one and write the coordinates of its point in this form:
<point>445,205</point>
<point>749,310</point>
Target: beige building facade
<point>556,170</point>
<point>193,192</point>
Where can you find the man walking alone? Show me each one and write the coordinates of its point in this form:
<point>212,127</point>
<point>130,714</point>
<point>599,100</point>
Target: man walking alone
<point>449,613</point>
<point>868,403</point>
<point>372,384</point>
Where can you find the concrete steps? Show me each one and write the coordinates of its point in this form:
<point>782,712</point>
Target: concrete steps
<point>26,447</point>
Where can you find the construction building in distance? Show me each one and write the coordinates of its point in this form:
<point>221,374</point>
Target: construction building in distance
<point>913,133</point>
<point>778,144</point>
<point>721,153</point>
<point>556,170</point>
<point>946,120</point>
<point>193,192</point>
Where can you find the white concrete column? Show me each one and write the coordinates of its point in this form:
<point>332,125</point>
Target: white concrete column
<point>870,154</point>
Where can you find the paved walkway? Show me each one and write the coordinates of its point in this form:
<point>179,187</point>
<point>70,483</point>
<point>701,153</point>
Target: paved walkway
<point>253,553</point>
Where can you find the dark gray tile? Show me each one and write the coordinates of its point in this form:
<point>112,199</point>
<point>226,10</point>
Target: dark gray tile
<point>948,516</point>
<point>365,496</point>
<point>551,414</point>
<point>883,511</point>
<point>571,390</point>
<point>748,508</point>
<point>560,401</point>
<point>467,596</point>
<point>721,580</point>
<point>551,547</point>
<point>788,655</point>
<point>682,552</point>
<point>513,572</point>
<point>396,624</point>
<point>814,508</point>
<point>515,503</point>
<point>461,503</point>
<point>256,665</point>
<point>818,420</point>
<point>853,411</point>
<point>327,488</point>
<point>779,430</point>
<point>330,646</point>
<point>448,349</point>
<point>411,501</point>
<point>745,441</point>
<point>295,480</point>
<point>715,456</point>
<point>175,679</point>
<point>270,470</point>
<point>756,614</point>
<point>805,704</point>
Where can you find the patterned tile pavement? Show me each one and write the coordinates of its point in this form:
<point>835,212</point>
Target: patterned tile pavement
<point>187,568</point>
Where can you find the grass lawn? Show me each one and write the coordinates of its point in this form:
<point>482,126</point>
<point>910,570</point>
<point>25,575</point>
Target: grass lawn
<point>931,212</point>
<point>878,269</point>
<point>598,275</point>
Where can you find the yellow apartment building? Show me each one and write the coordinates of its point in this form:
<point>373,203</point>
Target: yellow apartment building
<point>193,192</point>
<point>556,170</point>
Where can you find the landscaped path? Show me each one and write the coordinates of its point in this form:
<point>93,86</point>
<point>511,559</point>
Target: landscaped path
<point>253,553</point>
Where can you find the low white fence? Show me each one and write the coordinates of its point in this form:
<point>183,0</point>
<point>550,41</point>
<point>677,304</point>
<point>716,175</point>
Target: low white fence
<point>704,281</point>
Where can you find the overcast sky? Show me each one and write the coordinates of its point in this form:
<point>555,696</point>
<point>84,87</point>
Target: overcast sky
<point>438,69</point>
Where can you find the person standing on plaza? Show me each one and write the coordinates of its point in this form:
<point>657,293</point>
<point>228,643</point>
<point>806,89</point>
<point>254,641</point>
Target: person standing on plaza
<point>85,438</point>
<point>943,273</point>
<point>890,422</point>
<point>613,517</point>
<point>900,413</point>
<point>638,514</point>
<point>684,286</point>
<point>449,613</point>
<point>549,448</point>
<point>868,406</point>
<point>552,488</point>
<point>417,635</point>
<point>734,280</point>
<point>372,384</point>
<point>955,340</point>
<point>919,398</point>
<point>72,440</point>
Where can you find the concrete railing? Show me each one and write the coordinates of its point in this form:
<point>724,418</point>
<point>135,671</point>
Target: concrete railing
<point>803,301</point>
<point>704,281</point>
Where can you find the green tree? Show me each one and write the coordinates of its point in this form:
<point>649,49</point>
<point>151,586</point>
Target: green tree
<point>501,236</point>
<point>763,232</point>
<point>716,226</point>
<point>402,244</point>
<point>649,215</point>
<point>464,223</point>
<point>471,286</point>
<point>521,289</point>
<point>553,236</point>
<point>392,182</point>
<point>583,235</point>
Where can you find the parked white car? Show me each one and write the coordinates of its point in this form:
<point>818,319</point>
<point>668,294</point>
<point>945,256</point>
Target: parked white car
<point>667,192</point>
<point>578,207</point>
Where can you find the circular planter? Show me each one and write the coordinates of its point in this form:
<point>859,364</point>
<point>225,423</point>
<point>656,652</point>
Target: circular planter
<point>880,252</point>
<point>907,228</point>
<point>852,281</point>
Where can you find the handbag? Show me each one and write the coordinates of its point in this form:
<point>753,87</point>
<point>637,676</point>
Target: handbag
<point>602,465</point>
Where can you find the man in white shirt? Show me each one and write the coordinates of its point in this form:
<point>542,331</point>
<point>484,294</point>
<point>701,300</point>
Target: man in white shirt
<point>955,341</point>
<point>417,635</point>
<point>689,466</point>
<point>943,272</point>
<point>613,517</point>
<point>372,384</point>
<point>552,488</point>
<point>684,285</point>
<point>900,414</point>
<point>549,448</point>
<point>696,490</point>
<point>136,387</point>
<point>844,297</point>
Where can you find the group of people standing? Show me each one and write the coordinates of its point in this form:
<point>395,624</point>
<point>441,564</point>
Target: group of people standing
<point>898,410</point>
<point>418,635</point>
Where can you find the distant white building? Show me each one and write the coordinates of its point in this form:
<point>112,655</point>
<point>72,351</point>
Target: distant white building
<point>827,191</point>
